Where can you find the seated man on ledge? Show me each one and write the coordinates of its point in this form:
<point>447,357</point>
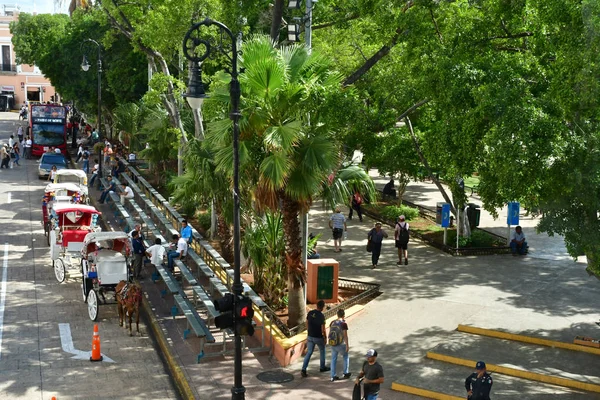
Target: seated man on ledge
<point>389,190</point>
<point>517,242</point>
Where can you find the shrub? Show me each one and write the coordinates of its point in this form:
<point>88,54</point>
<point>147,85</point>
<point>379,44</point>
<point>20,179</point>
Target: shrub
<point>204,221</point>
<point>393,212</point>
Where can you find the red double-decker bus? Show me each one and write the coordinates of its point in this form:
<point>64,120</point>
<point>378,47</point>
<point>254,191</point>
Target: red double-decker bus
<point>48,128</point>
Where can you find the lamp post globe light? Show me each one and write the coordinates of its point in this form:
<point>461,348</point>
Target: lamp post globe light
<point>192,44</point>
<point>85,66</point>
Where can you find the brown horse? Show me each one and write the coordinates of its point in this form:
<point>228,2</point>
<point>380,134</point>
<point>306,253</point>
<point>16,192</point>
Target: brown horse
<point>129,299</point>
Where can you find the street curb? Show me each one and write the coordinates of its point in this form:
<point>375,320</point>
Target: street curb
<point>526,339</point>
<point>399,387</point>
<point>532,376</point>
<point>183,386</point>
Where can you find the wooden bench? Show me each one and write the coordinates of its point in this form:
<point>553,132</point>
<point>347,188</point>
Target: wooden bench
<point>169,280</point>
<point>215,283</point>
<point>186,273</point>
<point>195,322</point>
<point>200,293</point>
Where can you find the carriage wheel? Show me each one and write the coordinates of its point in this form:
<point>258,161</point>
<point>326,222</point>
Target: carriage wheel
<point>92,303</point>
<point>59,270</point>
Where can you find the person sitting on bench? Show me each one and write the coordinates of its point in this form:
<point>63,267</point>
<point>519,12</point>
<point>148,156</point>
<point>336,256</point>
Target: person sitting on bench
<point>389,190</point>
<point>182,248</point>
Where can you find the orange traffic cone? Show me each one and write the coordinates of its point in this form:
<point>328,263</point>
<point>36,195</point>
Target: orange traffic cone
<point>96,355</point>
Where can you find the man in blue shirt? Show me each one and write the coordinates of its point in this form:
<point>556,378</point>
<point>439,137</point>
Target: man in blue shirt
<point>112,187</point>
<point>186,231</point>
<point>138,253</point>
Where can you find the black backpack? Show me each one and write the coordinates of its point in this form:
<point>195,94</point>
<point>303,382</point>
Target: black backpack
<point>86,155</point>
<point>403,235</point>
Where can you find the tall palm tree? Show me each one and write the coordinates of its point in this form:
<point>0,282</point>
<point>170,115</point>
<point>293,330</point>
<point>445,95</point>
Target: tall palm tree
<point>284,159</point>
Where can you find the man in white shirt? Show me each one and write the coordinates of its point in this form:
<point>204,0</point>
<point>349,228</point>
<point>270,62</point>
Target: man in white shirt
<point>517,242</point>
<point>127,193</point>
<point>28,144</point>
<point>182,248</point>
<point>156,252</point>
<point>337,223</point>
<point>11,141</point>
<point>137,228</point>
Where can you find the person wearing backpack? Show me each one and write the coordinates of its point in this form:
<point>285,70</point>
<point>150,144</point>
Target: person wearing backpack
<point>338,340</point>
<point>356,201</point>
<point>402,235</point>
<point>86,160</point>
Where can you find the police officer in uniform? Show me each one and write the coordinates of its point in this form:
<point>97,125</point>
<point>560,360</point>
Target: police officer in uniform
<point>479,383</point>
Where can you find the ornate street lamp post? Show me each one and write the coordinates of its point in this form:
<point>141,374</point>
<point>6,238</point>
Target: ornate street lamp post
<point>85,66</point>
<point>195,96</point>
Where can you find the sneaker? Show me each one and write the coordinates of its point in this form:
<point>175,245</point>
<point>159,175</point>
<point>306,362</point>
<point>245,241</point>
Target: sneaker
<point>347,376</point>
<point>335,378</point>
<point>405,261</point>
<point>325,369</point>
<point>303,373</point>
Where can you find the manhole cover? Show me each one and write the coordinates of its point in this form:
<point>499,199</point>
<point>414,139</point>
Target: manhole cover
<point>276,376</point>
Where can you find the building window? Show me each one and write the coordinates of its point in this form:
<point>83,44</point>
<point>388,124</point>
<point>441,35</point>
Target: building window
<point>6,58</point>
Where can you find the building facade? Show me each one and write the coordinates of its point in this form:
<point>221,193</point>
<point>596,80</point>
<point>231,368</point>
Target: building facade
<point>18,82</point>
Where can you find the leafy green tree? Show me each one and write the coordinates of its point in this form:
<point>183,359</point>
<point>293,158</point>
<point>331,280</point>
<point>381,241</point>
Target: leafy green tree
<point>284,160</point>
<point>53,43</point>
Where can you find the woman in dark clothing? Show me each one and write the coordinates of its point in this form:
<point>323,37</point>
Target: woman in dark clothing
<point>376,236</point>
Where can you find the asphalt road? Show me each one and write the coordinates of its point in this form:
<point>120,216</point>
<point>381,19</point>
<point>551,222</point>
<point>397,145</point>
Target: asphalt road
<point>38,357</point>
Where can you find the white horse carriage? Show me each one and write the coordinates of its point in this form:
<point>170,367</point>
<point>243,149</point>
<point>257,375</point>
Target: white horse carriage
<point>104,263</point>
<point>69,225</point>
<point>75,176</point>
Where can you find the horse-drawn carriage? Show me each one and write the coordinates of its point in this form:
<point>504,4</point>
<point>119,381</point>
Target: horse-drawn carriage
<point>69,225</point>
<point>75,176</point>
<point>58,193</point>
<point>104,264</point>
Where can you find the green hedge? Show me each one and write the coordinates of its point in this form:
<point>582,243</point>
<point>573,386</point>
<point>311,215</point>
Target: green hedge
<point>393,212</point>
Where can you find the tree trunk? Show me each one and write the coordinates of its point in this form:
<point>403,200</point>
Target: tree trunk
<point>427,167</point>
<point>296,271</point>
<point>224,233</point>
<point>276,21</point>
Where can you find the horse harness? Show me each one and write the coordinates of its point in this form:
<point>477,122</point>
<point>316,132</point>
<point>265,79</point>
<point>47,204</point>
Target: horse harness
<point>130,299</point>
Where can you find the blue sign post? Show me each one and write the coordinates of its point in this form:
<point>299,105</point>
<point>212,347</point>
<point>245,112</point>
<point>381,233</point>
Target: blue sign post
<point>445,215</point>
<point>512,217</point>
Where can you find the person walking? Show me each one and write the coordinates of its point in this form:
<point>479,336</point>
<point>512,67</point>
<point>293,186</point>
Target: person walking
<point>4,157</point>
<point>372,372</point>
<point>337,223</point>
<point>479,383</point>
<point>338,341</point>
<point>94,173</point>
<point>375,237</point>
<point>402,236</point>
<point>315,322</point>
<point>17,152</point>
<point>356,202</point>
<point>138,254</point>
<point>86,160</point>
<point>20,134</point>
<point>52,173</point>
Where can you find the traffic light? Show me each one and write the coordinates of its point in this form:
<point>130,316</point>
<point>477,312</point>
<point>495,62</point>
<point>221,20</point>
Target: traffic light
<point>243,316</point>
<point>225,306</point>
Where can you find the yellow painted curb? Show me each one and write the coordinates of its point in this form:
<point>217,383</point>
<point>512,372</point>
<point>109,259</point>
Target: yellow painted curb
<point>532,376</point>
<point>527,339</point>
<point>423,392</point>
<point>178,376</point>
